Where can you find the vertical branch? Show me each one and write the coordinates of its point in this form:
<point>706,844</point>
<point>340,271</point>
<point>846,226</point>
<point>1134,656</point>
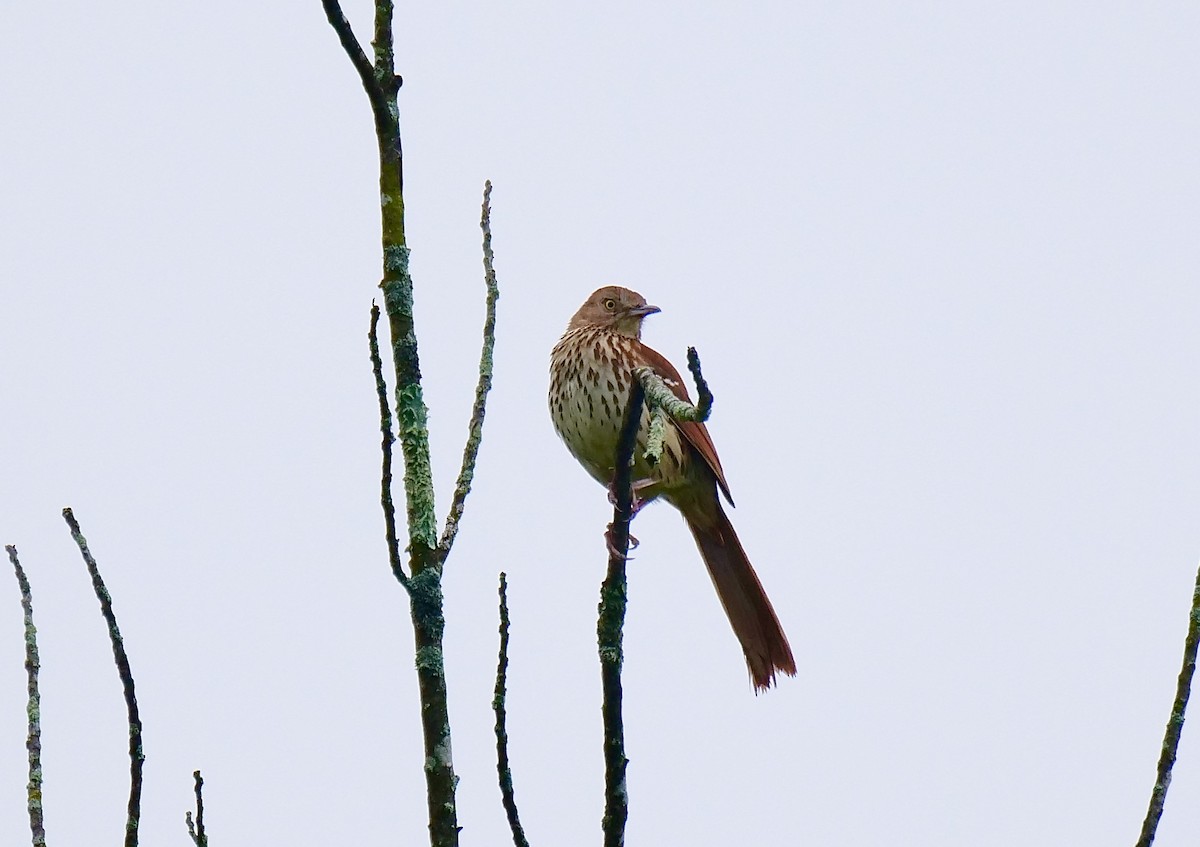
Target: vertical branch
<point>411,413</point>
<point>475,428</point>
<point>386,440</point>
<point>424,584</point>
<point>391,157</point>
<point>1170,746</point>
<point>33,740</point>
<point>136,756</point>
<point>498,706</point>
<point>609,627</point>
<point>397,288</point>
<point>195,826</point>
<point>425,599</point>
<point>381,85</point>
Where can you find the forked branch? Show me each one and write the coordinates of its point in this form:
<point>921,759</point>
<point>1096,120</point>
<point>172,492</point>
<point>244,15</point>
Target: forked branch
<point>195,826</point>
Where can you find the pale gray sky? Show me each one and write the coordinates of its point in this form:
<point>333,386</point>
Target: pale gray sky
<point>940,263</point>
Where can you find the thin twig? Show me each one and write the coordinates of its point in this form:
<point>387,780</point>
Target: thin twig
<point>609,627</point>
<point>704,398</point>
<point>498,706</point>
<point>33,740</point>
<point>475,428</point>
<point>387,439</point>
<point>1170,746</point>
<point>196,826</point>
<point>136,756</point>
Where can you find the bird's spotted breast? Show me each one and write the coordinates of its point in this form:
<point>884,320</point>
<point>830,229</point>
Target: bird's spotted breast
<point>590,378</point>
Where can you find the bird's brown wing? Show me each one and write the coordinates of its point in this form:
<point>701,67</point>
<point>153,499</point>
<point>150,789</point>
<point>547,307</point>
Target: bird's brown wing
<point>696,433</point>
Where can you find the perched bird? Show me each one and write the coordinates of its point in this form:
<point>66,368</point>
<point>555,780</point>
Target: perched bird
<point>591,371</point>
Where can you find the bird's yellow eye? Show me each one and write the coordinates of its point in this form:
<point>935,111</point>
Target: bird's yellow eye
<point>610,304</point>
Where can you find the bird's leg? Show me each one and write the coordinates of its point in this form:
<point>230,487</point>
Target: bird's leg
<point>640,485</point>
<point>635,501</point>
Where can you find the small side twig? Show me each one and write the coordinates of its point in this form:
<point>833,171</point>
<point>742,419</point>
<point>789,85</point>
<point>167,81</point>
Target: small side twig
<point>33,740</point>
<point>136,755</point>
<point>386,441</point>
<point>498,706</point>
<point>475,429</point>
<point>610,626</point>
<point>195,826</point>
<point>665,404</point>
<point>1170,745</point>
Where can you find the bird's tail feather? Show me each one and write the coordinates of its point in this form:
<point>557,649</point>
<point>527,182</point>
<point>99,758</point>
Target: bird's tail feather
<point>746,603</point>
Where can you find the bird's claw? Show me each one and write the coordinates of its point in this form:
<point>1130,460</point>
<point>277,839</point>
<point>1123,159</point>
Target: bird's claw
<point>632,544</point>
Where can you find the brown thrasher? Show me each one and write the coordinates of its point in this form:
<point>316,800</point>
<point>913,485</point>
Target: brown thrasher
<point>591,372</point>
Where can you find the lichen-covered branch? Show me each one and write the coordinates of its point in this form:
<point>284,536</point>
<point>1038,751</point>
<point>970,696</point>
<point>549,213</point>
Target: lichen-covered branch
<point>664,404</point>
<point>136,756</point>
<point>1170,745</point>
<point>33,708</point>
<point>411,414</point>
<point>611,623</point>
<point>475,428</point>
<point>424,573</point>
<point>380,82</point>
<point>195,826</point>
<point>499,697</point>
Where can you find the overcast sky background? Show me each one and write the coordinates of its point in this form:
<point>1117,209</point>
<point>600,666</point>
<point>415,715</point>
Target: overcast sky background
<point>939,260</point>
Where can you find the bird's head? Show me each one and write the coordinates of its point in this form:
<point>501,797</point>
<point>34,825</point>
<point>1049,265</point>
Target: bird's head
<point>614,308</point>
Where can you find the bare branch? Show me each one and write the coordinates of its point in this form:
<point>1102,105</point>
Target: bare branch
<point>136,756</point>
<point>196,826</point>
<point>610,626</point>
<point>475,427</point>
<point>498,706</point>
<point>387,439</point>
<point>366,71</point>
<point>1170,746</point>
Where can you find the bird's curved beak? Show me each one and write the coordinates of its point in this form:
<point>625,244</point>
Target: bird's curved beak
<point>642,311</point>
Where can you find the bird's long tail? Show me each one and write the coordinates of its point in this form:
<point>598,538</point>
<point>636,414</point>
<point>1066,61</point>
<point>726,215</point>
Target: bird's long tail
<point>746,603</point>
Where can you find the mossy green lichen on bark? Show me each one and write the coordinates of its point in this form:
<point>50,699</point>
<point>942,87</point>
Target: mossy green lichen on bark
<point>411,413</point>
<point>33,709</point>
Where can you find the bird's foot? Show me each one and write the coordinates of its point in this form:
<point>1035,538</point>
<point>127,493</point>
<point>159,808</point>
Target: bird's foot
<point>612,548</point>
